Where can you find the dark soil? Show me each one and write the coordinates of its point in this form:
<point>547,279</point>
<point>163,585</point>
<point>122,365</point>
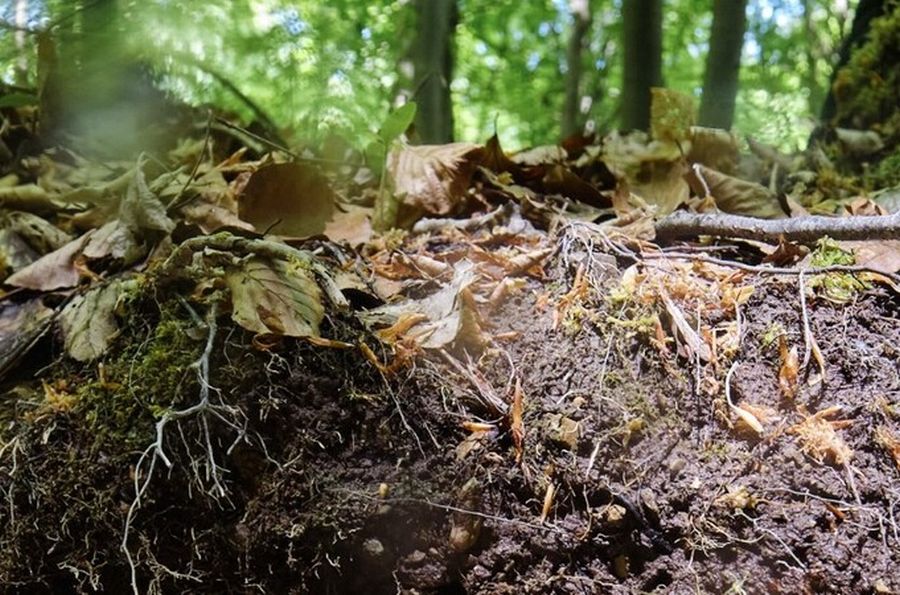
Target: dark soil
<point>340,480</point>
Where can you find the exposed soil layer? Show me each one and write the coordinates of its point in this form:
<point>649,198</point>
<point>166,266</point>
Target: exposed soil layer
<point>337,479</point>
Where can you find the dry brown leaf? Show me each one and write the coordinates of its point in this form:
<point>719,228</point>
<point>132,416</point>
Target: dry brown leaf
<point>560,180</point>
<point>541,155</point>
<point>141,210</point>
<point>406,321</point>
<point>56,270</point>
<point>865,207</point>
<point>88,322</point>
<point>275,296</point>
<point>291,199</point>
<point>882,255</point>
<point>351,224</point>
<point>21,325</point>
<point>38,233</point>
<point>736,196</point>
<point>115,240</point>
<point>525,262</point>
<point>686,333</point>
<point>516,421</point>
<point>662,184</point>
<point>432,179</point>
<point>212,217</point>
<point>715,148</point>
<point>790,369</point>
<point>495,159</point>
<point>549,497</point>
<point>470,334</point>
<point>749,419</point>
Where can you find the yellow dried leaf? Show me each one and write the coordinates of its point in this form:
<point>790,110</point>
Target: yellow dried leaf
<point>749,419</point>
<point>790,368</point>
<point>549,496</point>
<point>516,423</point>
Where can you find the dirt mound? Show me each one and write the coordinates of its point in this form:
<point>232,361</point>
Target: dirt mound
<point>629,467</point>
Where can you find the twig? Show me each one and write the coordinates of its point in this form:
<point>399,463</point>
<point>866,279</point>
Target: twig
<point>624,252</point>
<point>806,229</point>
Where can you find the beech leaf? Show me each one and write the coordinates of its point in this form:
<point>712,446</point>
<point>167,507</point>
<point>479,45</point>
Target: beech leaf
<point>275,296</point>
<point>141,210</point>
<point>289,199</point>
<point>736,196</point>
<point>56,270</point>
<point>88,322</point>
<point>430,179</point>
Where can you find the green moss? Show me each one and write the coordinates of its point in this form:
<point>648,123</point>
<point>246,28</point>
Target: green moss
<point>836,287</point>
<point>866,90</point>
<point>774,331</point>
<point>150,374</point>
<point>887,173</point>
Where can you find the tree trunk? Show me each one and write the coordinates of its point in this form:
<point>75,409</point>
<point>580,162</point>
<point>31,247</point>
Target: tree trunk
<point>581,25</point>
<point>434,70</point>
<point>723,63</point>
<point>813,88</point>
<point>866,12</point>
<point>642,43</point>
<point>20,74</point>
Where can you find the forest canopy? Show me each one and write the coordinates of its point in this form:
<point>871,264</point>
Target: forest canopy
<point>535,71</point>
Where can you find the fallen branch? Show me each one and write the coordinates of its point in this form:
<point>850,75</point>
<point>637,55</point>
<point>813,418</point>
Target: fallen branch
<point>807,229</point>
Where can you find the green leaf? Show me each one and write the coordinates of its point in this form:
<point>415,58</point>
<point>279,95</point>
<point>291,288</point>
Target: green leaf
<point>376,153</point>
<point>397,122</point>
<point>18,100</point>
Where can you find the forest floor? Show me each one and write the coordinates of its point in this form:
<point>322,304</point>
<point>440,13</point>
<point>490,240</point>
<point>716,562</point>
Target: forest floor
<point>531,397</point>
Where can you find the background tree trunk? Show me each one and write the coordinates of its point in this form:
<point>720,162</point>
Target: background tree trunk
<point>866,12</point>
<point>434,69</point>
<point>723,63</point>
<point>581,25</point>
<point>812,54</point>
<point>20,72</point>
<point>642,43</point>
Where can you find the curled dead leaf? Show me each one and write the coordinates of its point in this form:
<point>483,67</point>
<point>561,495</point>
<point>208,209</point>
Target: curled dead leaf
<point>516,422</point>
<point>789,370</point>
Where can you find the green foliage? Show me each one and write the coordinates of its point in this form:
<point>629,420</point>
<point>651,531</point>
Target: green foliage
<point>326,68</point>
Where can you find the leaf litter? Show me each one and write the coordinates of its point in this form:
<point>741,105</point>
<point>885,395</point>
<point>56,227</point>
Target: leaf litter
<point>505,360</point>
